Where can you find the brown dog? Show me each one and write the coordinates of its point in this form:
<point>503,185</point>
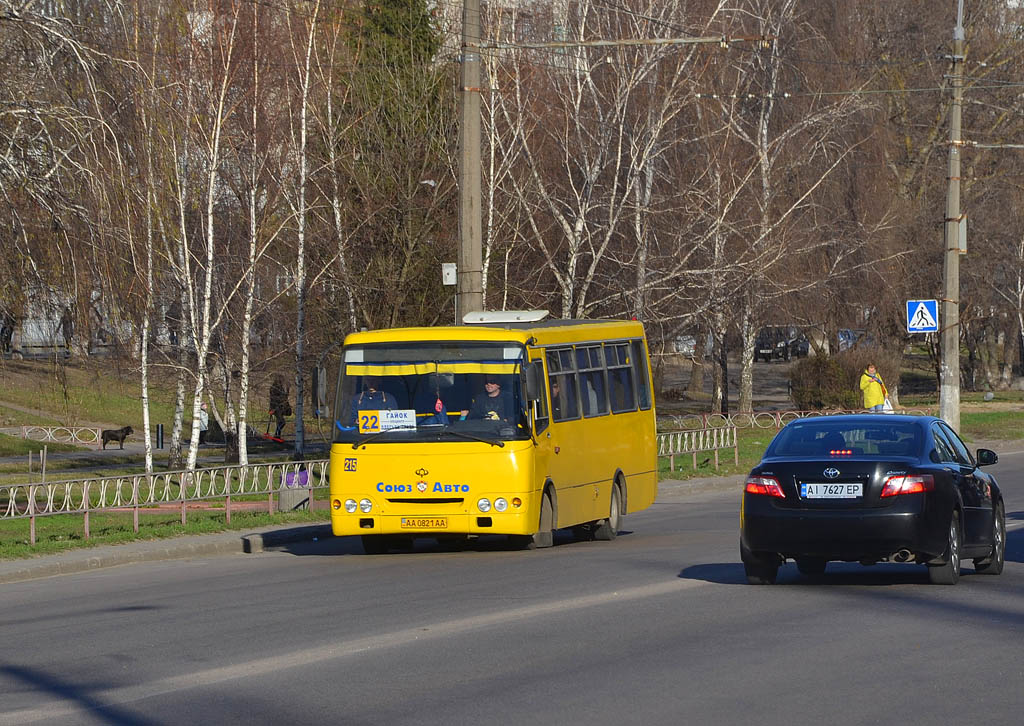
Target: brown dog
<point>118,435</point>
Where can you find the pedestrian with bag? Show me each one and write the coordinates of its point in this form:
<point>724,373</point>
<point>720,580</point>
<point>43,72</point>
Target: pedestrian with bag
<point>876,396</point>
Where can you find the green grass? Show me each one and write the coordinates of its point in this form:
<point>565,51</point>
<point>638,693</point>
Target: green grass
<point>993,425</point>
<point>66,532</point>
<point>14,446</point>
<point>14,417</point>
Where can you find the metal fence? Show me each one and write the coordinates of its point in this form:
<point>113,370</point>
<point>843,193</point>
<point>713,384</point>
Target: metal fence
<point>695,441</point>
<point>62,434</point>
<point>757,419</point>
<point>132,493</point>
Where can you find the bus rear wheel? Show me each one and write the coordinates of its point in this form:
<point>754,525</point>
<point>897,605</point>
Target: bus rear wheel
<point>606,529</point>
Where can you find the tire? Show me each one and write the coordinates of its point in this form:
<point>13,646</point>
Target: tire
<point>375,544</point>
<point>993,564</point>
<point>606,529</point>
<point>545,534</point>
<point>584,532</point>
<point>811,566</point>
<point>760,568</point>
<point>948,573</point>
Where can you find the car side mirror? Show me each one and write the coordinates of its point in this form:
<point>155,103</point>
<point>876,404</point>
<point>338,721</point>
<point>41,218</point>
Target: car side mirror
<point>987,457</point>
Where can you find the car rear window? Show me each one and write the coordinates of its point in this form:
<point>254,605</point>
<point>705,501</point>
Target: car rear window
<point>872,439</point>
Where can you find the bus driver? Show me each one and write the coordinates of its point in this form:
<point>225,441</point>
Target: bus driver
<point>492,406</point>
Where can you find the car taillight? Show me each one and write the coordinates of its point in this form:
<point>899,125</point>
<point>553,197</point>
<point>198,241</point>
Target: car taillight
<point>904,484</point>
<point>766,485</point>
<point>840,452</point>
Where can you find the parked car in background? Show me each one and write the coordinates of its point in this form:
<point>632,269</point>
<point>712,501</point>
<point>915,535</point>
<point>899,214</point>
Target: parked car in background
<point>780,342</point>
<point>871,488</point>
<point>853,337</point>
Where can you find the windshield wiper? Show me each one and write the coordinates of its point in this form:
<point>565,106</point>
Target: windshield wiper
<point>371,437</point>
<point>473,437</point>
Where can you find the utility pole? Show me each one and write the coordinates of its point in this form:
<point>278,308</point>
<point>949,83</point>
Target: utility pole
<point>469,296</point>
<point>949,318</point>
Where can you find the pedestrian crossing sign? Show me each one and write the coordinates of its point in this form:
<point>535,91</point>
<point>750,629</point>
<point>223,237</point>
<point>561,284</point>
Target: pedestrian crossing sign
<point>922,316</point>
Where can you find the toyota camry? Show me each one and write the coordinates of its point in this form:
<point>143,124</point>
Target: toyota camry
<point>871,488</point>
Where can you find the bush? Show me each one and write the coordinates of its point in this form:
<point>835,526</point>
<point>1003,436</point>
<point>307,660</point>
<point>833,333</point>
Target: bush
<point>822,382</point>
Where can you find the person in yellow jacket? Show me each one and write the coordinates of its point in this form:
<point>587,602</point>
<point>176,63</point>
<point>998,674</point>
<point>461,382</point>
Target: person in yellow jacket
<point>874,390</point>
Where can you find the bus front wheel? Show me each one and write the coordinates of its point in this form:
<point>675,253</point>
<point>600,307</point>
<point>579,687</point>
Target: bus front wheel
<point>606,529</point>
<point>545,535</point>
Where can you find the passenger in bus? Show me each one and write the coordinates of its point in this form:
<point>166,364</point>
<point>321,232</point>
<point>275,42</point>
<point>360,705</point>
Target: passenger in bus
<point>556,399</point>
<point>491,406</point>
<point>371,398</point>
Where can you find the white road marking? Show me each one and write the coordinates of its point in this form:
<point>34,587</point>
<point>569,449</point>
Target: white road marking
<point>308,656</point>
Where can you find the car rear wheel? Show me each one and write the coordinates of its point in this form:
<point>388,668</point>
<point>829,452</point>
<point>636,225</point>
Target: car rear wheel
<point>993,564</point>
<point>606,529</point>
<point>948,573</point>
<point>760,568</point>
<point>811,566</point>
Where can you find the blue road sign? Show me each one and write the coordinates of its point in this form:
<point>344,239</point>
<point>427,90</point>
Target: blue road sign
<point>922,316</point>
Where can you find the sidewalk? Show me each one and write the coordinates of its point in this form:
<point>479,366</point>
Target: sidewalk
<point>245,542</point>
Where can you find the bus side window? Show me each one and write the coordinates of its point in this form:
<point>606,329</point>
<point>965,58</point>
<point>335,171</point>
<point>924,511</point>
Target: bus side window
<point>562,385</point>
<point>592,389</point>
<point>640,371</point>
<point>620,378</point>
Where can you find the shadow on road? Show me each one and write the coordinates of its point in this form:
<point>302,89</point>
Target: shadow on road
<point>313,541</point>
<point>851,573</point>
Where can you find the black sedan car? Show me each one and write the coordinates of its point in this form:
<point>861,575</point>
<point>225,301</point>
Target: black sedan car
<point>871,488</point>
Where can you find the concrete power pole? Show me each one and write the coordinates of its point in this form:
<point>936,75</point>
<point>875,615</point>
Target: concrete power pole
<point>469,295</point>
<point>949,384</point>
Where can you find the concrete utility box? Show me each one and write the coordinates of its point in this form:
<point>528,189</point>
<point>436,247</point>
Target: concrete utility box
<point>293,494</point>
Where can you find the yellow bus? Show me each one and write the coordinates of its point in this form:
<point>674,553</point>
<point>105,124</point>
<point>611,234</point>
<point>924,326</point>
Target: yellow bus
<point>510,425</point>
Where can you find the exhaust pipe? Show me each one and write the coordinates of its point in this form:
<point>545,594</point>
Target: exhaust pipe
<point>902,556</point>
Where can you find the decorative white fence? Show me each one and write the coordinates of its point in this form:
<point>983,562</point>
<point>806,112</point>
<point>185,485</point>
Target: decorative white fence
<point>143,491</point>
<point>695,441</point>
<point>62,434</point>
<point>758,419</point>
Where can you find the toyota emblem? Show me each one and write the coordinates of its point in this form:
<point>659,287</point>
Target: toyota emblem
<point>831,473</point>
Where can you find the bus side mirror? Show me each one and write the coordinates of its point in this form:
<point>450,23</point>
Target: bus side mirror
<point>534,375</point>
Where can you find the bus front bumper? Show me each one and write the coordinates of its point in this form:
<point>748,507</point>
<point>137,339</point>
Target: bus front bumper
<point>431,525</point>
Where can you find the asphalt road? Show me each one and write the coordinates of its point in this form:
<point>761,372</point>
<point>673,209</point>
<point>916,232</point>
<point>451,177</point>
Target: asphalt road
<point>656,627</point>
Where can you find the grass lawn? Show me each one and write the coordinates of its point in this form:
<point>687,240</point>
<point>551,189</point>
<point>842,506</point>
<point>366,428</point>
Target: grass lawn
<point>65,532</point>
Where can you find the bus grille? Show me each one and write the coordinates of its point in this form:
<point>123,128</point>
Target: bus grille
<point>453,500</point>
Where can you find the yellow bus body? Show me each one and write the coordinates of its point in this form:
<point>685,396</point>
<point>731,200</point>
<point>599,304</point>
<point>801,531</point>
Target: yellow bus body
<point>433,488</point>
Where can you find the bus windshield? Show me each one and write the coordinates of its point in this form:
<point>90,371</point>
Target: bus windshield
<point>431,391</point>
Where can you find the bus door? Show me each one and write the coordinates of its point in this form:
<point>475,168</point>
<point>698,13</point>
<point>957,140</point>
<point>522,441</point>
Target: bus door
<point>541,426</point>
<point>566,457</point>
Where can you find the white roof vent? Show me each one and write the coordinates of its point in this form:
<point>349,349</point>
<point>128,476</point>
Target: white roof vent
<point>496,317</point>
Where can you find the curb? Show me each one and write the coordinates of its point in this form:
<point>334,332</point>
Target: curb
<point>223,543</point>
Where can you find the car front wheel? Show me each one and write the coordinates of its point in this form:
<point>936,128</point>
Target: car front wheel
<point>993,564</point>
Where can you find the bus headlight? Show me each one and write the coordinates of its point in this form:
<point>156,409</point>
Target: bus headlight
<point>350,506</point>
<point>484,505</point>
<point>365,505</point>
<point>500,504</point>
